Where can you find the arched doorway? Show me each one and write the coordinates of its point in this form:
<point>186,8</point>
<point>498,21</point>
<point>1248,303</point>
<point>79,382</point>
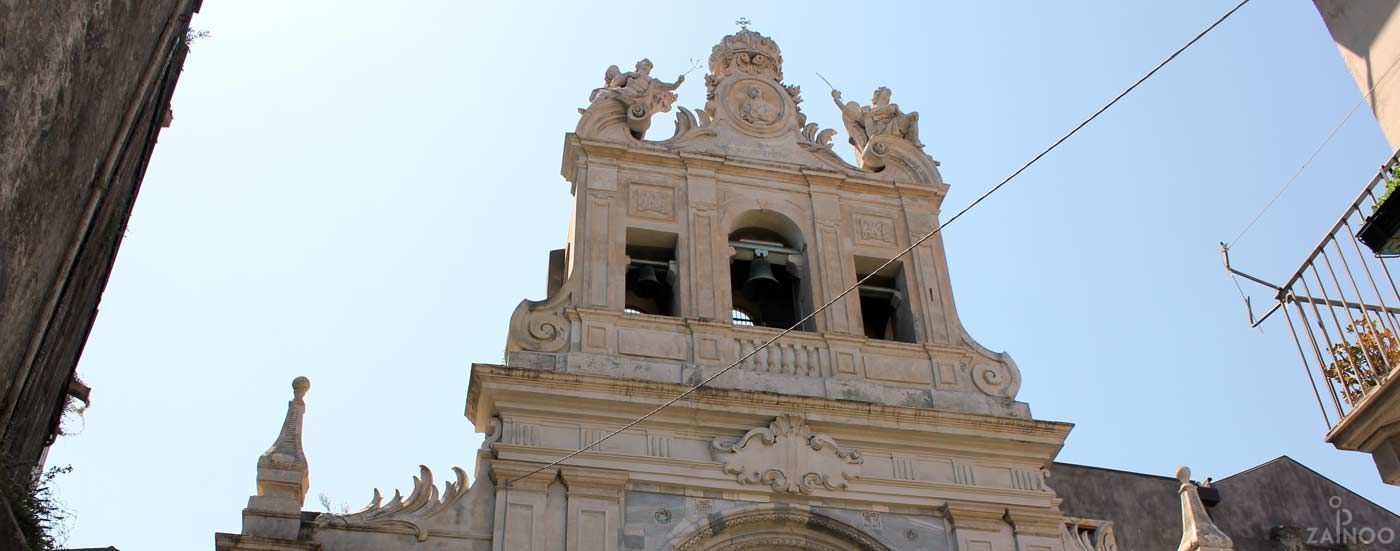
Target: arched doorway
<point>773,528</point>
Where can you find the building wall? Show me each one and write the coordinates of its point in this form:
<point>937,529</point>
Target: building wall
<point>84,89</point>
<point>1259,508</point>
<point>1283,493</point>
<point>1145,509</point>
<point>1368,37</point>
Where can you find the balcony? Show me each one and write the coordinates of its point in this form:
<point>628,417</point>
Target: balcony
<point>1341,306</point>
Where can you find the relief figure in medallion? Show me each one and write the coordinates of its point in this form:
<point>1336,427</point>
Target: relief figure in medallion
<point>755,109</point>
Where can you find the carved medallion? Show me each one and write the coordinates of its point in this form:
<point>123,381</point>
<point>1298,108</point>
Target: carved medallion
<point>757,107</point>
<point>788,457</point>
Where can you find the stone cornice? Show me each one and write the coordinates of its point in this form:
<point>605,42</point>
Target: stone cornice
<point>852,180</point>
<point>1041,438</point>
<point>681,473</point>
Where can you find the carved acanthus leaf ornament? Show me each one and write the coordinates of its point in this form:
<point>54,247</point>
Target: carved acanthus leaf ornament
<point>789,457</point>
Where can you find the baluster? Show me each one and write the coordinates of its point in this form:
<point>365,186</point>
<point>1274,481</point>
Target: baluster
<point>761,358</point>
<point>744,349</point>
<point>775,359</point>
<point>801,367</point>
<point>814,362</point>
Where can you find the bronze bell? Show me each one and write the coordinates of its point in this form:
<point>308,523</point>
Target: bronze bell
<point>648,285</point>
<point>761,281</point>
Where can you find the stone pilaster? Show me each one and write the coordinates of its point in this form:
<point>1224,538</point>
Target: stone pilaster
<point>1037,529</point>
<point>522,506</point>
<point>980,527</point>
<point>595,508</point>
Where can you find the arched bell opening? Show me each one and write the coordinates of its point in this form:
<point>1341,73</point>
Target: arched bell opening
<point>650,284</point>
<point>768,275</point>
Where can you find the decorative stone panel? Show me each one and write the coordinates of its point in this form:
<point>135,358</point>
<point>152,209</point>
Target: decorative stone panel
<point>651,201</point>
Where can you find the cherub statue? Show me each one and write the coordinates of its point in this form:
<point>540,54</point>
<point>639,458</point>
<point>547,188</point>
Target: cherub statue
<point>635,88</point>
<point>881,118</point>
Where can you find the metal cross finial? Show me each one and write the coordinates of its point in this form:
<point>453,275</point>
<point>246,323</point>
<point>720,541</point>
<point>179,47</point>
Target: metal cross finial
<point>743,23</point>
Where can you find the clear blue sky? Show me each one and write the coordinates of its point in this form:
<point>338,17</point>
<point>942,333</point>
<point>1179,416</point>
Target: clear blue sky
<point>361,195</point>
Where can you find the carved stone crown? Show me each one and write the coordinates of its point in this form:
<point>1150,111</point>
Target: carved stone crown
<point>746,52</point>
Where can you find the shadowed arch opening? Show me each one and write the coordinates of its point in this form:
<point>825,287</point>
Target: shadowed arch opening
<point>776,528</point>
<point>768,273</point>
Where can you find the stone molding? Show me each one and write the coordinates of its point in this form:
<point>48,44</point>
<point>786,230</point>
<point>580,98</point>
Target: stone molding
<point>1037,438</point>
<point>243,542</point>
<point>772,525</point>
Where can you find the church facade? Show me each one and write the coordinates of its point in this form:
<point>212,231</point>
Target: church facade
<point>655,399</point>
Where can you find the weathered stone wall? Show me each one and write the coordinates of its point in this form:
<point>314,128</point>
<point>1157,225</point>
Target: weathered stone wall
<point>84,88</point>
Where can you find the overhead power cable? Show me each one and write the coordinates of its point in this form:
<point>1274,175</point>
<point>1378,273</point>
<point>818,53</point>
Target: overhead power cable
<point>1315,152</point>
<point>901,254</point>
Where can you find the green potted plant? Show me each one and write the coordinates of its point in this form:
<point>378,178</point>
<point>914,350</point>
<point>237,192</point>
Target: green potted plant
<point>1381,232</point>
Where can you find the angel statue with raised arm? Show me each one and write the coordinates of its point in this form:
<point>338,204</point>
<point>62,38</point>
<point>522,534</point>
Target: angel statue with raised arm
<point>880,118</point>
<point>637,88</point>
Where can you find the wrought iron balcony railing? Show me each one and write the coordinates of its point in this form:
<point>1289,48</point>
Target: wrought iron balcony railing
<point>1343,305</point>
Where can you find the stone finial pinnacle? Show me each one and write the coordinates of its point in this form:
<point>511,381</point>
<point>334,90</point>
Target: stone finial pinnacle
<point>283,476</point>
<point>1198,531</point>
<point>299,387</point>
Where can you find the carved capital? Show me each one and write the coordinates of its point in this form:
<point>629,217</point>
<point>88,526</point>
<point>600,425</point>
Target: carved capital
<point>519,476</point>
<point>976,516</point>
<point>1036,522</point>
<point>594,482</point>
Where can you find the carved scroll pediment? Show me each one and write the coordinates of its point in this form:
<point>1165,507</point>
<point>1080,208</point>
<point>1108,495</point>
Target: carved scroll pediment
<point>789,457</point>
<point>539,325</point>
<point>423,503</point>
<point>1089,535</point>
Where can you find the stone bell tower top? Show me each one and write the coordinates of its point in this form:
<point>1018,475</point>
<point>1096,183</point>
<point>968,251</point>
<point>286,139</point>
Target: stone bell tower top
<point>745,52</point>
<point>686,254</point>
